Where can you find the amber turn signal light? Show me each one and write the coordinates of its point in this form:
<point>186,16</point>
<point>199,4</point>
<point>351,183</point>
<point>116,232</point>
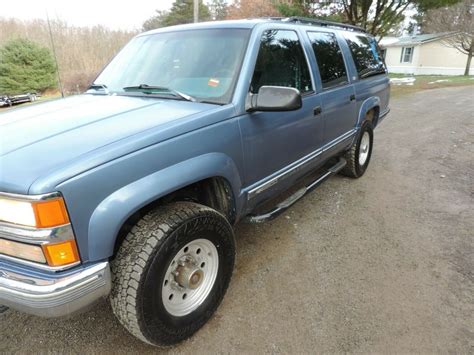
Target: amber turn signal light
<point>38,214</point>
<point>60,254</point>
<point>50,213</point>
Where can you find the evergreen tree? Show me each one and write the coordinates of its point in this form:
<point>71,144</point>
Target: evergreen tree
<point>218,9</point>
<point>182,11</point>
<point>25,67</point>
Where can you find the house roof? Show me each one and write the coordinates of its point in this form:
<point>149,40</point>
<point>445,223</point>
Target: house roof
<point>413,40</point>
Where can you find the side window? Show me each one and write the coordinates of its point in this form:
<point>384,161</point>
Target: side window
<point>407,55</point>
<point>366,54</point>
<point>281,62</point>
<point>329,58</point>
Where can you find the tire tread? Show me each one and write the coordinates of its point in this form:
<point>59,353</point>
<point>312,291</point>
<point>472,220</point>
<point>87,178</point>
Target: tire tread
<point>135,255</point>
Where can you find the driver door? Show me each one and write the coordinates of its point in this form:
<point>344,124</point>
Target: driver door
<point>274,142</point>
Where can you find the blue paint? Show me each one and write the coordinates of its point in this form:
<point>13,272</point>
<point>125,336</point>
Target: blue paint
<point>111,155</point>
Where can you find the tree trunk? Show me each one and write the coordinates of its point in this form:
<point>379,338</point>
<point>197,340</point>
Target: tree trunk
<point>469,57</point>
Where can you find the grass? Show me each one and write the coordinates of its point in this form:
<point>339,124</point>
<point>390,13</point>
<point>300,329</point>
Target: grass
<point>427,82</point>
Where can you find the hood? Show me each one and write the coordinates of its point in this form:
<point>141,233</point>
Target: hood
<point>40,138</point>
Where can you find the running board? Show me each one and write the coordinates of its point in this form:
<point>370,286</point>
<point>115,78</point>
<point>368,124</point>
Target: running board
<point>282,206</point>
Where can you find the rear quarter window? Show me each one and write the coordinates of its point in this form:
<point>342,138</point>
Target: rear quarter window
<point>366,53</point>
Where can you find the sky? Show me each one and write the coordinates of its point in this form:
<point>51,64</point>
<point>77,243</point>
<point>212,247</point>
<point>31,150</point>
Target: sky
<point>126,15</point>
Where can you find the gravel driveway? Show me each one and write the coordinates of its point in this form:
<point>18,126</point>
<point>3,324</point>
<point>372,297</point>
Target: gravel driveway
<point>380,264</point>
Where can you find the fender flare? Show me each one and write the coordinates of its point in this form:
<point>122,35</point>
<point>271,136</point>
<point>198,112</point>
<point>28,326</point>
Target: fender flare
<point>366,106</point>
<point>110,215</point>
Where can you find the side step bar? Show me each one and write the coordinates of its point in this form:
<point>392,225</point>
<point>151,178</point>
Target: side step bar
<point>282,206</point>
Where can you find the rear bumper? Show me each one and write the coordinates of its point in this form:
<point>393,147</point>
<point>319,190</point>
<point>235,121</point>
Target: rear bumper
<point>53,295</point>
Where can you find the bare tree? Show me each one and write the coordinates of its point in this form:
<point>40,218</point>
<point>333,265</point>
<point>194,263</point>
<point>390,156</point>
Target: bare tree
<point>378,17</point>
<point>81,51</point>
<point>251,8</point>
<point>459,20</point>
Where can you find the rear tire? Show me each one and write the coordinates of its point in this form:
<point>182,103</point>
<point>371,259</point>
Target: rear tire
<point>172,271</point>
<point>358,156</point>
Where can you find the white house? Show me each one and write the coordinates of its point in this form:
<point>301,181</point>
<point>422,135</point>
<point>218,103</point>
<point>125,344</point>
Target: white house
<point>423,55</point>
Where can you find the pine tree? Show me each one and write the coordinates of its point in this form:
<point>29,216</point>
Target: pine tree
<point>181,12</point>
<point>25,67</point>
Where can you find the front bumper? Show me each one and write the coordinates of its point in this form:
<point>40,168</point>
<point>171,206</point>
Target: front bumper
<point>54,295</point>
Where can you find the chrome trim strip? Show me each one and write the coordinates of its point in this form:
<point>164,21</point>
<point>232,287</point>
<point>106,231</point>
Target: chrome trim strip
<point>298,165</point>
<point>382,115</point>
<point>34,235</point>
<point>339,139</point>
<point>266,185</point>
<point>37,265</point>
<point>17,197</point>
<point>52,296</point>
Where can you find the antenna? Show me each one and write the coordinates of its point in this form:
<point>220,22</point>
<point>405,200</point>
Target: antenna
<point>54,54</point>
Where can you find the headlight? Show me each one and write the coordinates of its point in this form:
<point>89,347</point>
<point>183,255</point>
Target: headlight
<point>38,214</point>
<point>24,217</point>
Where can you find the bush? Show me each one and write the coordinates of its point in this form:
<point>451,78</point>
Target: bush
<point>25,67</point>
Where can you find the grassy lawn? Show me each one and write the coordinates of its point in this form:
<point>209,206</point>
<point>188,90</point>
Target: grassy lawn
<point>427,82</point>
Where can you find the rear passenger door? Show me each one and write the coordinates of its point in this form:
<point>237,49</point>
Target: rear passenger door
<point>370,80</point>
<point>337,93</point>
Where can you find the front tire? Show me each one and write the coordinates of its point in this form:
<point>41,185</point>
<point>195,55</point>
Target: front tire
<point>358,156</point>
<point>172,271</point>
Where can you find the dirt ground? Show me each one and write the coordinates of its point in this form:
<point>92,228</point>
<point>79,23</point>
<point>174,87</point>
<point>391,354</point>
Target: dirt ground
<point>380,264</point>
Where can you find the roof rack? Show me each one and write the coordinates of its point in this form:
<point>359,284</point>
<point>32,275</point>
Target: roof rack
<point>323,23</point>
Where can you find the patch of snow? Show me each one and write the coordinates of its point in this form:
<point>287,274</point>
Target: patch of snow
<point>439,81</point>
<point>403,81</point>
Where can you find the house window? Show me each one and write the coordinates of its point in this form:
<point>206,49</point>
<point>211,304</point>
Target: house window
<point>407,55</point>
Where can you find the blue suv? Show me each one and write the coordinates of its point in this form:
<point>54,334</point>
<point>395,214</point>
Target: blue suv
<point>131,189</point>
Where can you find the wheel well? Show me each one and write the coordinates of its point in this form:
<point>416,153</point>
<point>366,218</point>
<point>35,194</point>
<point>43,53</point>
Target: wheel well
<point>373,115</point>
<point>215,192</point>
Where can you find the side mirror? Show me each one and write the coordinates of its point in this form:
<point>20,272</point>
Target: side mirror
<point>274,98</point>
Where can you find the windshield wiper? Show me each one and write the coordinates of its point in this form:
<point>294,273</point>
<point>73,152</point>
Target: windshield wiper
<point>147,88</point>
<point>95,86</point>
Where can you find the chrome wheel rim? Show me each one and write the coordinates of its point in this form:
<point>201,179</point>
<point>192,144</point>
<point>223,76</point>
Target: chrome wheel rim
<point>364,148</point>
<point>190,277</point>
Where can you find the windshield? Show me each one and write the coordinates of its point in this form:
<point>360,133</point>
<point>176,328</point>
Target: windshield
<point>203,64</point>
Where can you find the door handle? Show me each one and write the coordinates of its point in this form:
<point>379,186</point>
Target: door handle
<point>352,97</point>
<point>317,110</point>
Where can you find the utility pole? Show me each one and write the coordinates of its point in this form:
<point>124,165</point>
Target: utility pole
<point>54,54</point>
<point>196,11</point>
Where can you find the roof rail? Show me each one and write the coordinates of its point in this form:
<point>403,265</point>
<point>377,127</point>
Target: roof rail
<point>323,23</point>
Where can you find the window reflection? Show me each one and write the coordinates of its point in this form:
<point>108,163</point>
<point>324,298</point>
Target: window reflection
<point>329,58</point>
<point>367,55</point>
<point>281,62</point>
